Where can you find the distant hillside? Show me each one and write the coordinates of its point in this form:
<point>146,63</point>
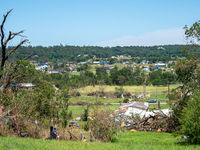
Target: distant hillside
<point>83,53</point>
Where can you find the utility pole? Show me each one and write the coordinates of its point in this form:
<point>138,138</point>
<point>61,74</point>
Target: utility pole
<point>158,104</point>
<point>168,88</point>
<point>96,96</point>
<point>156,94</point>
<point>144,88</point>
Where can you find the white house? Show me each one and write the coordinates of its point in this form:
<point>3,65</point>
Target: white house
<point>161,65</point>
<point>96,62</point>
<point>41,67</point>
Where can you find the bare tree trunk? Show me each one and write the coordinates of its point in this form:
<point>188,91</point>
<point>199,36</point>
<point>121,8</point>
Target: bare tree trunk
<point>8,77</point>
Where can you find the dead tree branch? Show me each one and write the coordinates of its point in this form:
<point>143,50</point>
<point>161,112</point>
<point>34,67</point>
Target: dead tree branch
<point>4,42</point>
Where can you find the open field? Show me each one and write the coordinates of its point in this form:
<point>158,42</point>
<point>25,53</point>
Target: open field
<point>93,99</point>
<point>133,89</point>
<point>78,110</point>
<point>126,140</point>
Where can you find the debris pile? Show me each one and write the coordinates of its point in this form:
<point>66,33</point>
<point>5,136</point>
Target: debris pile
<point>156,123</point>
<point>110,94</point>
<point>103,94</point>
<point>136,115</point>
<point>128,94</point>
<point>142,95</point>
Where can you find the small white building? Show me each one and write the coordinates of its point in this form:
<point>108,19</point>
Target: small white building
<point>146,69</point>
<point>161,65</point>
<point>57,71</point>
<point>41,68</point>
<point>96,62</point>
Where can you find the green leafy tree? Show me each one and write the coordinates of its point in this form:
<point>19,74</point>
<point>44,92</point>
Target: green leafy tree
<point>121,80</point>
<point>44,59</point>
<point>190,121</point>
<point>188,72</point>
<point>65,115</point>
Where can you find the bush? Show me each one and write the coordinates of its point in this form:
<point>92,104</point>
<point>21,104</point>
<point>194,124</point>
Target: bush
<point>74,93</point>
<point>190,121</point>
<point>81,103</point>
<point>102,121</point>
<point>114,139</point>
<point>86,127</point>
<point>119,91</point>
<point>98,103</point>
<point>85,115</point>
<point>125,100</point>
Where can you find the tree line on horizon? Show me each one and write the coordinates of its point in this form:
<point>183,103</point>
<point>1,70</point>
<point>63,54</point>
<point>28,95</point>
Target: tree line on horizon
<point>83,53</point>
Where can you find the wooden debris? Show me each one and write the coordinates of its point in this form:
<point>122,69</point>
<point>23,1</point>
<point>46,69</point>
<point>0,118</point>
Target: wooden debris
<point>157,123</point>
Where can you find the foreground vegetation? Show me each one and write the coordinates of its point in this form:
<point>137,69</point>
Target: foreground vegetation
<point>125,140</point>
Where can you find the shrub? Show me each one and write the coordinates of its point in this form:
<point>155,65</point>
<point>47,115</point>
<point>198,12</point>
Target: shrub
<point>125,100</point>
<point>74,93</point>
<point>190,121</point>
<point>81,103</point>
<point>84,116</point>
<point>119,91</point>
<point>101,120</point>
<point>114,139</point>
<point>86,127</point>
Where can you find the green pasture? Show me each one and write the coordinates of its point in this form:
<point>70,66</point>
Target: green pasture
<point>125,141</point>
<point>75,73</point>
<point>161,98</point>
<point>155,106</point>
<point>77,111</point>
<point>93,99</point>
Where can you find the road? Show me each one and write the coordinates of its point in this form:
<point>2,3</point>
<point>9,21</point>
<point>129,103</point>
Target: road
<point>127,103</point>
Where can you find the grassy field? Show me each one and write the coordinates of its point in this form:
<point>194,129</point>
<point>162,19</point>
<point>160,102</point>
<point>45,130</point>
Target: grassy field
<point>93,99</point>
<point>78,110</point>
<point>133,89</point>
<point>125,140</point>
<point>155,106</point>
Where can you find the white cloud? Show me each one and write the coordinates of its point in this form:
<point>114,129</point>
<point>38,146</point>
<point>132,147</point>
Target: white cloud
<point>158,37</point>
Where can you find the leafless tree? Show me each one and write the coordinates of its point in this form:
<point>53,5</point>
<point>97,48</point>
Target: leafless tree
<point>8,76</point>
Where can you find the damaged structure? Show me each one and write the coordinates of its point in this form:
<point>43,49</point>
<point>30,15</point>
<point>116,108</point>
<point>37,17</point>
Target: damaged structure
<point>136,115</point>
<point>133,108</point>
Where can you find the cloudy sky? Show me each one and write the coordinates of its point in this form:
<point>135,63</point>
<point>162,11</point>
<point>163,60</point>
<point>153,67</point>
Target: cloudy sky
<point>100,22</point>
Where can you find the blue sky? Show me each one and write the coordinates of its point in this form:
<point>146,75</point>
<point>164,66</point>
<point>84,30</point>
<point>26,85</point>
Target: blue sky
<point>100,22</point>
